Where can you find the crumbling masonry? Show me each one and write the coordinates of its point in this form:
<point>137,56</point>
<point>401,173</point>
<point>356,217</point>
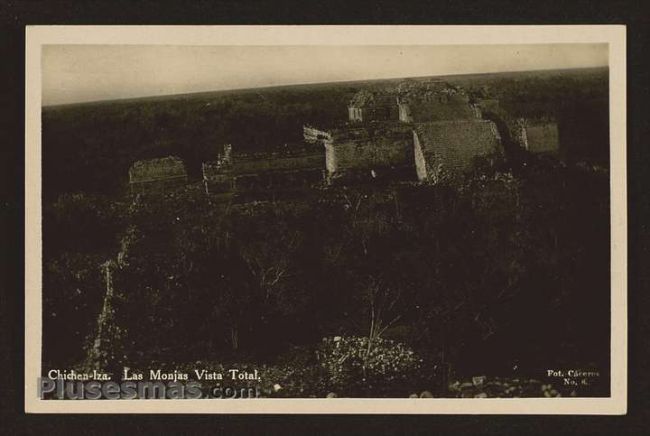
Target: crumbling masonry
<point>432,129</point>
<point>417,130</point>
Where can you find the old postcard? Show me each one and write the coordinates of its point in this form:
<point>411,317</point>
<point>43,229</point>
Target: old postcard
<point>320,219</point>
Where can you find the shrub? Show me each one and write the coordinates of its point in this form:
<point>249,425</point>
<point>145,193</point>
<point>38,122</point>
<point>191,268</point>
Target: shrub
<point>355,366</point>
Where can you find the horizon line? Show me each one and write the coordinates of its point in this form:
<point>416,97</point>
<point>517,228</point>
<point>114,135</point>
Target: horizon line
<point>296,84</point>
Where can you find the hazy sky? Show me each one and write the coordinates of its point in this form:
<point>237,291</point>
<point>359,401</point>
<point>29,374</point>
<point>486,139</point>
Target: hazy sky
<point>77,73</point>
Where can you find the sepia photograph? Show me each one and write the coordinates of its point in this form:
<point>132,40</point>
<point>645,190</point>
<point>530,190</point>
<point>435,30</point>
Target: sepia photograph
<point>327,218</point>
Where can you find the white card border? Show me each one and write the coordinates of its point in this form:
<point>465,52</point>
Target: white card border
<point>614,35</point>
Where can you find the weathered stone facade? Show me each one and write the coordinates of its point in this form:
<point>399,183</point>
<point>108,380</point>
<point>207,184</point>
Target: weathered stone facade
<point>542,137</point>
<point>369,152</point>
<point>264,171</point>
<point>448,147</point>
<point>438,129</point>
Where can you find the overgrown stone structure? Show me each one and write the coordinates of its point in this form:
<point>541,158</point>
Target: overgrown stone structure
<point>434,103</point>
<point>156,174</point>
<point>540,137</point>
<point>283,170</point>
<point>432,129</point>
<point>368,106</point>
<point>417,130</point>
<point>486,105</point>
<point>218,175</point>
<point>382,150</point>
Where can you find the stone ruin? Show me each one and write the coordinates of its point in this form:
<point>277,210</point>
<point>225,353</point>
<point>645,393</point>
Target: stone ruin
<point>217,175</point>
<point>285,170</point>
<point>436,101</point>
<point>368,106</point>
<point>156,174</point>
<point>367,152</point>
<point>417,130</point>
<point>414,130</point>
<point>538,136</point>
<point>445,148</point>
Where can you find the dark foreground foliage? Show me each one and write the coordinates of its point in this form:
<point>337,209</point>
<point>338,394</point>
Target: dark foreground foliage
<point>506,270</point>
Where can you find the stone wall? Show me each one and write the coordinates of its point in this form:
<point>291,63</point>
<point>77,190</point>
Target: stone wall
<point>265,171</point>
<point>450,147</point>
<point>542,138</point>
<point>368,149</point>
<point>420,162</point>
<point>405,113</point>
